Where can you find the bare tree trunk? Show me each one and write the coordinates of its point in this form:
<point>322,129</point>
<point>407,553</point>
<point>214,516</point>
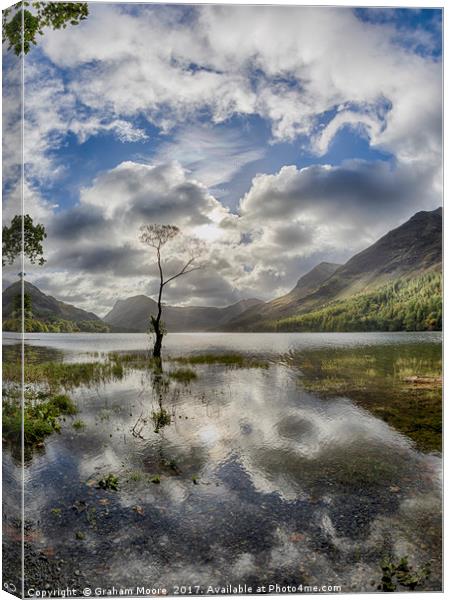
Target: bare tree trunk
<point>156,236</point>
<point>158,332</point>
<point>158,344</point>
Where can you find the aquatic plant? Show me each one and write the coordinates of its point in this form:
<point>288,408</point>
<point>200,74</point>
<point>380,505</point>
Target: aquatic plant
<point>117,370</point>
<point>401,573</point>
<point>142,360</point>
<point>59,375</point>
<point>41,414</point>
<point>183,375</point>
<point>134,360</point>
<point>161,418</point>
<point>110,482</point>
<point>64,404</point>
<point>79,424</point>
<point>136,476</point>
<point>380,379</point>
<point>173,465</point>
<point>229,360</point>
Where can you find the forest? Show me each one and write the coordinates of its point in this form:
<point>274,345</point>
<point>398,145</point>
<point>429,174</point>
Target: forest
<point>407,304</point>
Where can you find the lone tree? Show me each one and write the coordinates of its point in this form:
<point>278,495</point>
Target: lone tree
<point>33,236</point>
<point>157,236</point>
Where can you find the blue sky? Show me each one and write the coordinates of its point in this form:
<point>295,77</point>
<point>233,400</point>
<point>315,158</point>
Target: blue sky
<point>212,116</point>
<point>104,151</point>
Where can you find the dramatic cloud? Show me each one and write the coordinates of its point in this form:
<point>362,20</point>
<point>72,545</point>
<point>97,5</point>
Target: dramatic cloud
<point>290,65</point>
<point>286,223</point>
<point>52,113</point>
<point>99,236</point>
<point>354,202</point>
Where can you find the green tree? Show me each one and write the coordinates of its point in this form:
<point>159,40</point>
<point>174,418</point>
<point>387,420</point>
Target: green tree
<point>56,15</point>
<point>27,305</point>
<point>33,236</point>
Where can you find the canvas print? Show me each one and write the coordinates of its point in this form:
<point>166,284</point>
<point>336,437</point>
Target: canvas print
<point>222,311</point>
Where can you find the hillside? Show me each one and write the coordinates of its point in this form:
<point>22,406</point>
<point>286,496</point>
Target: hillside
<point>287,304</point>
<point>47,313</point>
<point>413,304</point>
<point>410,250</point>
<point>133,314</point>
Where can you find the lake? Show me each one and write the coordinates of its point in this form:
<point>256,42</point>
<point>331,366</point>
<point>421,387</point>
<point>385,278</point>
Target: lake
<point>307,459</point>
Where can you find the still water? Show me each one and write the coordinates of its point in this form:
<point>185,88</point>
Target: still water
<point>263,475</point>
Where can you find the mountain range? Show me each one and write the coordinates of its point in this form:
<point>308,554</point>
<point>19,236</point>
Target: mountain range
<point>403,255</point>
<point>134,313</point>
<point>413,248</point>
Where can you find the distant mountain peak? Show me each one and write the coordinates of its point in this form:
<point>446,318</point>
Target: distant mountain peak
<point>133,314</point>
<point>409,250</point>
<point>44,307</point>
<point>317,275</point>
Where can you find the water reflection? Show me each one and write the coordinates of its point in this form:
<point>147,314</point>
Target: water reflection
<point>259,481</point>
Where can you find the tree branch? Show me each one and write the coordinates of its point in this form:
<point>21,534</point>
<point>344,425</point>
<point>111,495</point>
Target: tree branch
<point>183,271</point>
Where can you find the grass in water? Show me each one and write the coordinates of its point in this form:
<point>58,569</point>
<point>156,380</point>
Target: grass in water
<point>229,360</point>
<point>381,380</point>
<point>136,476</point>
<point>110,482</point>
<point>400,573</point>
<point>64,375</point>
<point>161,418</point>
<point>183,375</point>
<point>41,416</point>
<point>141,360</point>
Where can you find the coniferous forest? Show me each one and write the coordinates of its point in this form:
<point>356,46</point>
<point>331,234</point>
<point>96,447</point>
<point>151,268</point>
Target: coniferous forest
<point>413,304</point>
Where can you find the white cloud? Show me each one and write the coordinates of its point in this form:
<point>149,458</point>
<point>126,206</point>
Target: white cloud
<point>52,112</point>
<point>286,224</point>
<point>11,120</point>
<point>345,206</point>
<point>286,64</point>
<point>213,156</point>
<point>367,122</point>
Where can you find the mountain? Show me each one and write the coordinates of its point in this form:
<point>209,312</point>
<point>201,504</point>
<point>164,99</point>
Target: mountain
<point>307,284</point>
<point>410,250</point>
<point>133,314</point>
<point>404,304</point>
<point>288,304</point>
<point>394,283</point>
<point>47,309</point>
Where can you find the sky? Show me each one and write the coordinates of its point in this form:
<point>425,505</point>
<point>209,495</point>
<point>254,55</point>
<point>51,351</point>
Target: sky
<point>278,136</point>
